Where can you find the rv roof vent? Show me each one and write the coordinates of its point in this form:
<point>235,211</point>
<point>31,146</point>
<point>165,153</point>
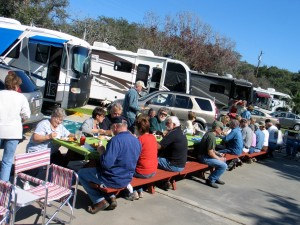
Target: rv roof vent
<point>211,73</point>
<point>112,47</point>
<point>271,89</point>
<point>101,44</point>
<point>145,52</point>
<point>228,75</point>
<point>9,20</point>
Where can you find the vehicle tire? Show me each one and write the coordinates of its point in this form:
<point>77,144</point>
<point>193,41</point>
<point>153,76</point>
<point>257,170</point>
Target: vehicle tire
<point>297,127</point>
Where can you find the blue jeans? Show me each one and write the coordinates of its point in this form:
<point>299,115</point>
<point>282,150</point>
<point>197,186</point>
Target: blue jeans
<point>220,167</point>
<point>253,149</point>
<point>292,147</point>
<point>165,164</point>
<point>87,175</point>
<point>10,146</point>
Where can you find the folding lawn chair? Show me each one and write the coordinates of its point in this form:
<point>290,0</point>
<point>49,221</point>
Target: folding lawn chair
<point>59,188</point>
<point>6,190</point>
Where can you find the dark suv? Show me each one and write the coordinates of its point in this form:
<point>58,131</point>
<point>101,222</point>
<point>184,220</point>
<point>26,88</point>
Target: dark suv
<point>31,92</point>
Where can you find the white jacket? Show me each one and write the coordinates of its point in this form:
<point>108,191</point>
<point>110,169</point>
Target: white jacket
<point>13,107</point>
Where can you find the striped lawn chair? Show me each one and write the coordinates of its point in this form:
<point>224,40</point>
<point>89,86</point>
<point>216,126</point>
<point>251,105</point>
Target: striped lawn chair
<point>5,199</point>
<point>59,188</point>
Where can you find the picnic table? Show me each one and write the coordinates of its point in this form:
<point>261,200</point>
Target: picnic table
<point>87,150</point>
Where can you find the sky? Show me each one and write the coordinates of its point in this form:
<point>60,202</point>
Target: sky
<point>270,26</point>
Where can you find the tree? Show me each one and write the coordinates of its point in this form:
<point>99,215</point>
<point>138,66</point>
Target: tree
<point>42,13</point>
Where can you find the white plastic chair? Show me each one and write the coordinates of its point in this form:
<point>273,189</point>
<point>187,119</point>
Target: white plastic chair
<point>58,189</point>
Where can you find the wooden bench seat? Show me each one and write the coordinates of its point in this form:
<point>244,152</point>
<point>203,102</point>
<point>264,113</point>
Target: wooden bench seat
<point>161,175</point>
<point>193,166</point>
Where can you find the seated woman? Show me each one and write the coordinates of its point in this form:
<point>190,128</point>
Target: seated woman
<point>190,126</point>
<point>146,166</point>
<point>90,127</point>
<point>45,132</point>
<point>158,122</point>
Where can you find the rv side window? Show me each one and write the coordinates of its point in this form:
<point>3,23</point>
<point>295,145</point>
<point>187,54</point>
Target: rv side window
<point>183,102</point>
<point>42,53</point>
<point>123,66</point>
<point>204,104</point>
<point>176,77</point>
<point>217,88</point>
<point>142,73</point>
<point>15,52</point>
<point>156,75</point>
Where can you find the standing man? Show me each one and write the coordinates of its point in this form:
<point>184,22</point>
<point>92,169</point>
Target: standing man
<point>247,135</point>
<point>117,166</point>
<point>13,111</point>
<point>130,104</point>
<point>207,154</point>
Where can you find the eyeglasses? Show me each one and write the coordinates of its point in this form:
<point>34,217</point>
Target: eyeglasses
<point>163,114</point>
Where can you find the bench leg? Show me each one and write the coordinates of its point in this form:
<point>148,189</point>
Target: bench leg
<point>151,188</point>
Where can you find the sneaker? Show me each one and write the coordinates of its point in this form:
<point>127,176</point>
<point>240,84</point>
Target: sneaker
<point>141,194</point>
<point>136,195</point>
<point>254,160</point>
<point>132,196</point>
<point>249,161</point>
<point>209,183</point>
<point>167,185</point>
<point>231,165</point>
<point>26,186</point>
<point>220,182</point>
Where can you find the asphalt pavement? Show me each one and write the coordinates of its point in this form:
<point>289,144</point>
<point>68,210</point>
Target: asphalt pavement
<point>261,193</point>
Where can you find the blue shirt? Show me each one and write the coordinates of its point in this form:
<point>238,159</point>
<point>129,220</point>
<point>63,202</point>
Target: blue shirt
<point>119,160</point>
<point>260,137</point>
<point>234,141</point>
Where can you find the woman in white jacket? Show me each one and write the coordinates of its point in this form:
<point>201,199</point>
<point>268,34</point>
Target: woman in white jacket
<point>13,111</point>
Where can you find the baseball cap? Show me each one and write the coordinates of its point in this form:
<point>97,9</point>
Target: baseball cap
<point>140,83</point>
<point>217,124</point>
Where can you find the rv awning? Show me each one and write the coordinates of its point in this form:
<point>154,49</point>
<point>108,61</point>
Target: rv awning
<point>57,42</point>
<point>7,37</point>
<point>263,95</point>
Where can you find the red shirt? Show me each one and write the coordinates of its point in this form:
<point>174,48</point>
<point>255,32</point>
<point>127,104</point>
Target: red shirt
<point>147,163</point>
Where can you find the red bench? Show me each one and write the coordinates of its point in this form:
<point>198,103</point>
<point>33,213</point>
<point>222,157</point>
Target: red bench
<point>161,175</point>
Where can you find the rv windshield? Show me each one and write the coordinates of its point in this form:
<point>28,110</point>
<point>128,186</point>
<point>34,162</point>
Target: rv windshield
<point>81,62</point>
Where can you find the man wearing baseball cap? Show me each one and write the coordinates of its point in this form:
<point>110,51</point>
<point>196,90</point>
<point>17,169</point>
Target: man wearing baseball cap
<point>207,154</point>
<point>117,166</point>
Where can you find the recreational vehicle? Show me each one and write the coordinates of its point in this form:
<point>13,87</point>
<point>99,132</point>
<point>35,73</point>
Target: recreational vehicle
<point>271,100</point>
<point>115,71</point>
<point>58,63</point>
<point>223,89</point>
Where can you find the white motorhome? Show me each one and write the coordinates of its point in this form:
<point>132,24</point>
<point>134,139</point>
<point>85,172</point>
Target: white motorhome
<point>58,63</point>
<point>270,99</point>
<point>115,71</point>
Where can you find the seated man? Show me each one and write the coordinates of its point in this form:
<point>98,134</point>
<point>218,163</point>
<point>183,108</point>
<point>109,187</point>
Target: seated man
<point>117,166</point>
<point>158,122</point>
<point>45,132</point>
<point>247,135</point>
<point>260,137</point>
<point>90,127</point>
<point>234,140</point>
<point>115,110</point>
<point>173,147</point>
<point>207,154</point>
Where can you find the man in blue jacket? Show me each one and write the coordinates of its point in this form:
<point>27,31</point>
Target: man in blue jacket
<point>130,104</point>
<point>117,166</point>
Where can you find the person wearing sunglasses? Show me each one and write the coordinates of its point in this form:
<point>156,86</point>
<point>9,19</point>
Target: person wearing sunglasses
<point>158,122</point>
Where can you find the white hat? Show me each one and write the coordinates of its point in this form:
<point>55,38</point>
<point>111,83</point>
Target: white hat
<point>140,83</point>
